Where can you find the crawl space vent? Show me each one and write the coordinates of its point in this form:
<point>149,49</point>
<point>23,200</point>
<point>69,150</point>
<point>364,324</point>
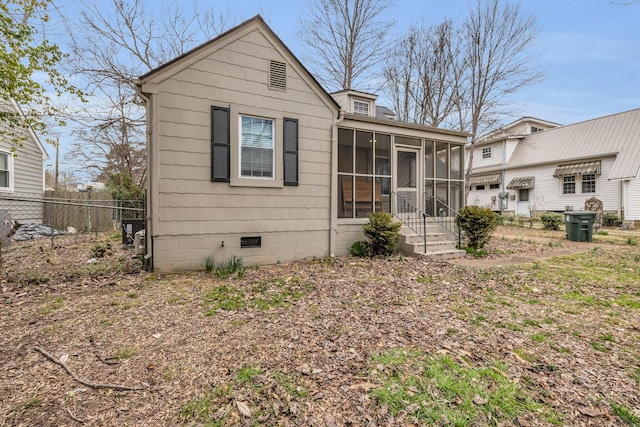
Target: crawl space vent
<point>277,75</point>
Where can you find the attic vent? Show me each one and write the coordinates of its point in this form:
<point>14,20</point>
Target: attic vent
<point>277,75</point>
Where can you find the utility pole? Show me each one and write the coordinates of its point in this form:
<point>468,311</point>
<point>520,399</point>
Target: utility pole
<point>57,158</point>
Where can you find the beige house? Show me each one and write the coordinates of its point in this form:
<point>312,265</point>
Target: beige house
<point>533,166</point>
<point>249,156</point>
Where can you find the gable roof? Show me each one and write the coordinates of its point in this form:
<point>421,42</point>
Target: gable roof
<point>617,134</point>
<point>506,131</point>
<point>186,59</point>
<point>11,103</point>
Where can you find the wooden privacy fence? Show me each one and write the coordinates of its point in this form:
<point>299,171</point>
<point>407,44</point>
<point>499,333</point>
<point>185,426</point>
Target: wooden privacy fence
<point>87,211</point>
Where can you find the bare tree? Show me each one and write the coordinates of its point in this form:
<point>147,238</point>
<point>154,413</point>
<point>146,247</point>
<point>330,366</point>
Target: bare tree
<point>498,41</point>
<point>347,38</point>
<point>421,75</point>
<point>112,46</point>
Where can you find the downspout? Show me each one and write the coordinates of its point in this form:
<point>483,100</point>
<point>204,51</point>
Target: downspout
<point>149,197</point>
<point>333,232</point>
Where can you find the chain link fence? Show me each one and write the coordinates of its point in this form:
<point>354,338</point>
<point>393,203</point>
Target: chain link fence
<point>56,214</point>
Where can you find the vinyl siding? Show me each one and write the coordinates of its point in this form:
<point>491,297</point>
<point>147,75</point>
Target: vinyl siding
<point>632,198</point>
<point>547,194</point>
<point>28,176</point>
<point>196,215</point>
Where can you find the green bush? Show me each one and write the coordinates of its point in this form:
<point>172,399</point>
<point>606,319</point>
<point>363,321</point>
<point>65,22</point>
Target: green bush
<point>610,220</point>
<point>551,220</point>
<point>477,224</point>
<point>359,248</point>
<point>382,233</point>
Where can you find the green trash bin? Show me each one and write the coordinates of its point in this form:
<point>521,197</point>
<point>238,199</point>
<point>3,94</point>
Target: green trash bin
<point>579,225</point>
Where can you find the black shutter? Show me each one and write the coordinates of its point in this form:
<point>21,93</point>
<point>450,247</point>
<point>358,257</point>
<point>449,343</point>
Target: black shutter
<point>220,144</point>
<point>290,143</point>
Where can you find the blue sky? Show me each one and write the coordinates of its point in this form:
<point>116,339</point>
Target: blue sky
<point>589,50</point>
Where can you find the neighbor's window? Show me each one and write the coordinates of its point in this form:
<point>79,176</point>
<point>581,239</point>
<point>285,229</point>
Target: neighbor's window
<point>589,183</point>
<point>494,186</point>
<point>486,153</point>
<point>361,108</point>
<point>256,147</point>
<point>480,187</point>
<point>535,129</point>
<point>569,184</point>
<point>5,180</point>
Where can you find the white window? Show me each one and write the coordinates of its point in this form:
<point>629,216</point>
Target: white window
<point>6,183</point>
<point>361,108</point>
<point>486,153</point>
<point>569,184</point>
<point>589,183</point>
<point>256,147</point>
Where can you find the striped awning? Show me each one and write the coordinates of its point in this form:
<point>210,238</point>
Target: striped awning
<point>487,178</point>
<point>521,183</point>
<point>578,169</point>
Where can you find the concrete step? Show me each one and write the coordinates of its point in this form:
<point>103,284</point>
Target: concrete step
<point>431,237</point>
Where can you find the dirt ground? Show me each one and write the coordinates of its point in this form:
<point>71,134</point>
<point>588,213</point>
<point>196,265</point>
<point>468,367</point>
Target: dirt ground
<point>295,344</point>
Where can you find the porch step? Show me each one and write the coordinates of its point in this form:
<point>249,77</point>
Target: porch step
<point>439,244</point>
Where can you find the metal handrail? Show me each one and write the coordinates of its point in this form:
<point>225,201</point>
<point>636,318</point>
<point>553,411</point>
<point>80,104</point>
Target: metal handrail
<point>443,215</point>
<point>411,216</point>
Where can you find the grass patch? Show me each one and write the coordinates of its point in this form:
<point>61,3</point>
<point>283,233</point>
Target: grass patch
<point>247,373</point>
<point>539,337</point>
<point>224,298</point>
<point>268,294</point>
<point>438,390</point>
<point>54,304</point>
<point>597,346</point>
<point>625,414</point>
<point>125,353</point>
<point>634,374</point>
<point>205,408</point>
<point>631,241</point>
<point>627,301</point>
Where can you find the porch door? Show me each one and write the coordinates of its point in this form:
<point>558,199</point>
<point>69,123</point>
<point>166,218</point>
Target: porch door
<point>406,179</point>
<point>523,202</point>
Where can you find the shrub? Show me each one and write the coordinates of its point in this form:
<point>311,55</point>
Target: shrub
<point>382,233</point>
<point>610,220</point>
<point>359,248</point>
<point>551,220</point>
<point>477,223</point>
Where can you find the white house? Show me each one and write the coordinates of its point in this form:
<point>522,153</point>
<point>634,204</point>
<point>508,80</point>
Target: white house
<point>532,166</point>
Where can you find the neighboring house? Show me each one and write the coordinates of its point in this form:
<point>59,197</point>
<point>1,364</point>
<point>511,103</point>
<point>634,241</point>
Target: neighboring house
<point>249,156</point>
<point>21,173</point>
<point>557,167</point>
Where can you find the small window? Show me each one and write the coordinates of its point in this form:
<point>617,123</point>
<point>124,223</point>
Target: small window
<point>523,195</point>
<point>486,153</point>
<point>569,184</point>
<point>535,129</point>
<point>277,75</point>
<point>480,187</point>
<point>256,147</point>
<point>494,186</point>
<point>361,108</point>
<point>589,183</point>
<point>5,174</point>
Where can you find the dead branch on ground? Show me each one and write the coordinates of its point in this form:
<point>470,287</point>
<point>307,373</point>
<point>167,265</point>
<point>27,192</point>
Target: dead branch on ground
<point>83,381</point>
